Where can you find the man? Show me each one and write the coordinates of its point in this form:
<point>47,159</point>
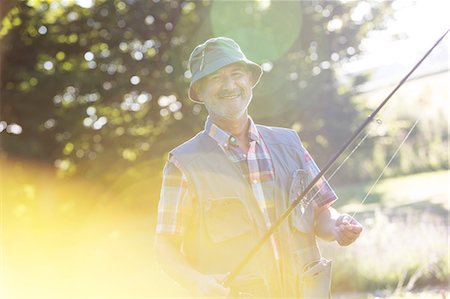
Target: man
<point>226,186</point>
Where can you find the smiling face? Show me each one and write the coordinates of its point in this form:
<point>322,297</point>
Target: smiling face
<point>227,92</point>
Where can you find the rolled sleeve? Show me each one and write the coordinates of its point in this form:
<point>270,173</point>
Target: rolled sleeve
<point>322,192</point>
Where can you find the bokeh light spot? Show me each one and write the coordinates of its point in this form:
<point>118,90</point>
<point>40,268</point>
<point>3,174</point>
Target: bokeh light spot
<point>149,20</point>
<point>107,85</point>
<point>316,70</point>
<point>267,66</point>
<point>3,125</point>
<point>123,46</point>
<point>351,51</point>
<point>14,129</point>
<point>91,111</point>
<point>99,123</point>
<point>60,55</point>
<point>168,26</point>
<point>48,65</point>
<point>72,16</point>
<point>325,65</point>
<point>335,24</point>
<point>187,74</point>
<point>33,81</point>
<point>335,56</point>
<point>85,3</point>
<point>168,69</point>
<point>137,55</point>
<point>92,64</point>
<point>88,56</point>
<point>129,155</point>
<point>42,30</point>
<point>187,7</point>
<point>49,123</point>
<point>135,80</point>
<point>178,115</point>
<point>164,112</point>
<point>68,148</point>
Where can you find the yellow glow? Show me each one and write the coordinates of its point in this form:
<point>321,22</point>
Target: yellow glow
<point>77,239</point>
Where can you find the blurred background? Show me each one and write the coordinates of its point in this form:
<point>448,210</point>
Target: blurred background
<point>94,94</point>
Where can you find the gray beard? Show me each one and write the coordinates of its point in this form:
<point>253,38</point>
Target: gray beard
<point>227,116</point>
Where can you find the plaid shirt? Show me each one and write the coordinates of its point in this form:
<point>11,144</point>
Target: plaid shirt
<point>175,205</point>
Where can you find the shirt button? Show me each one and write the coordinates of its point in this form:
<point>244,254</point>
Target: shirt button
<point>244,155</point>
<point>232,139</point>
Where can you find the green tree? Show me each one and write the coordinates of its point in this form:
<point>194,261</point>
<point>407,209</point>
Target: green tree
<point>92,83</point>
<point>107,83</point>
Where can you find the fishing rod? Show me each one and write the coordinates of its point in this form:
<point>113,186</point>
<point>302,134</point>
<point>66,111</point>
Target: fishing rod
<point>232,275</point>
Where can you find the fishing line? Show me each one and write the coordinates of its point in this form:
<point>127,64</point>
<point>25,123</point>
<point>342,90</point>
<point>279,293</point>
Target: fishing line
<point>387,165</point>
<point>306,202</point>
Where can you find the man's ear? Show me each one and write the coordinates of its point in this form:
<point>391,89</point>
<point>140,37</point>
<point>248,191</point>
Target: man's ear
<point>252,77</point>
<point>197,89</point>
<point>250,74</point>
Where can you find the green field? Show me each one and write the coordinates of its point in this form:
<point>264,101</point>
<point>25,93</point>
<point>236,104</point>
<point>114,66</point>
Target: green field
<point>424,192</point>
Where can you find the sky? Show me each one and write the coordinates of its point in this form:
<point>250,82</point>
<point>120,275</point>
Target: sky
<point>419,24</point>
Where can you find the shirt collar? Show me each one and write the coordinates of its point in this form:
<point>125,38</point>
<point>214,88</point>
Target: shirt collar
<point>224,138</point>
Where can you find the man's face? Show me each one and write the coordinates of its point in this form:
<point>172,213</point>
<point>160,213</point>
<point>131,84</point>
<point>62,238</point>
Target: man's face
<point>227,92</point>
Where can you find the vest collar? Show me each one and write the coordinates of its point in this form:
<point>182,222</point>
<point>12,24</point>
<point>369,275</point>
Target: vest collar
<point>224,138</point>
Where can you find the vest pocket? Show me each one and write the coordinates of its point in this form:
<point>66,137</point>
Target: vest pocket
<point>302,218</point>
<point>226,218</point>
<point>315,280</point>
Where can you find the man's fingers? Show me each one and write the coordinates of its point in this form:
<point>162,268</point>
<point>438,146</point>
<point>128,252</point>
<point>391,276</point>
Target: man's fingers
<point>344,240</point>
<point>348,229</point>
<point>352,224</point>
<point>347,232</point>
<point>357,228</point>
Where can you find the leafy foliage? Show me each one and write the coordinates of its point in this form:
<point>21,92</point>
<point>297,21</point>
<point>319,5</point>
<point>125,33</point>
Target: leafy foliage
<point>107,84</point>
<point>92,83</point>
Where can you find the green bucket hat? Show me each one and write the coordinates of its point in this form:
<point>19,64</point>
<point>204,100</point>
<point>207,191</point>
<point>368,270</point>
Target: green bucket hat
<point>214,54</point>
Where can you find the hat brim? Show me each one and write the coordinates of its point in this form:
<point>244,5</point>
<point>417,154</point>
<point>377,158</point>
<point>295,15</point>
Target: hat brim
<point>254,68</point>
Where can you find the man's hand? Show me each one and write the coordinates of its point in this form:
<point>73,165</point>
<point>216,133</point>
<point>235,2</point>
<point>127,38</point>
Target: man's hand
<point>168,251</point>
<point>346,230</point>
<point>211,286</point>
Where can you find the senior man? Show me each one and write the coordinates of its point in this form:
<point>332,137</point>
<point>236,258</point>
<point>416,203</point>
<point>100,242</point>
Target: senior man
<point>226,186</point>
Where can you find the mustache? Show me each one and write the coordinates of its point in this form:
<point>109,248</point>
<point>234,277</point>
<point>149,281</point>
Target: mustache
<point>229,93</point>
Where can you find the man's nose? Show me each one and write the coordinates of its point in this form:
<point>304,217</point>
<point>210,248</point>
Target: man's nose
<point>228,83</point>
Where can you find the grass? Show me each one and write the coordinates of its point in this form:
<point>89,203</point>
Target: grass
<point>404,246</point>
<point>429,191</point>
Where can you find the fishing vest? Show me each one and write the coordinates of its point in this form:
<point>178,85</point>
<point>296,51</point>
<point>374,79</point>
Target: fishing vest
<point>227,221</point>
